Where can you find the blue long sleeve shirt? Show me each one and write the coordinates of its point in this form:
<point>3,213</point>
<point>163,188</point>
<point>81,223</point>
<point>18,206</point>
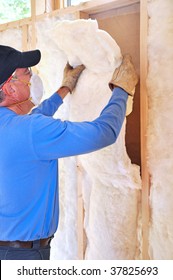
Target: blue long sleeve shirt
<point>30,146</point>
<point>49,106</point>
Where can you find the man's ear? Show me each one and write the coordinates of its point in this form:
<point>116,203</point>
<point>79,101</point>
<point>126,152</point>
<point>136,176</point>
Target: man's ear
<point>9,89</point>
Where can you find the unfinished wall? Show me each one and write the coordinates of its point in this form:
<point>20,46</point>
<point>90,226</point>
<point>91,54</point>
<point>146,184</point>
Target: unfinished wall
<point>116,191</point>
<point>109,180</point>
<point>160,131</point>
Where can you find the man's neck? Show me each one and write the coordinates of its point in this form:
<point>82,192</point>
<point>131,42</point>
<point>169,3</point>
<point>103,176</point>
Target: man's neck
<point>21,108</point>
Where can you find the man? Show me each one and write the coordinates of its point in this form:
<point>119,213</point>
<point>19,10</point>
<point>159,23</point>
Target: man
<point>30,146</point>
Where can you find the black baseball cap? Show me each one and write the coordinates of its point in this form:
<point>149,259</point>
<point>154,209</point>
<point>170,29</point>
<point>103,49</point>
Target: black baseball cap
<point>11,59</point>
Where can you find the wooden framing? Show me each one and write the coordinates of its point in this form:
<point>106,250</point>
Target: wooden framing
<point>81,238</point>
<point>33,19</point>
<point>90,10</point>
<point>24,38</point>
<point>144,114</point>
<point>57,4</point>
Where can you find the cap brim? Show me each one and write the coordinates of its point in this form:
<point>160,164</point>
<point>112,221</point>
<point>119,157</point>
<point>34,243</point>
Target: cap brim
<point>29,59</point>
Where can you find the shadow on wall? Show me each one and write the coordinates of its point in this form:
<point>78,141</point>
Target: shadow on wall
<point>132,137</point>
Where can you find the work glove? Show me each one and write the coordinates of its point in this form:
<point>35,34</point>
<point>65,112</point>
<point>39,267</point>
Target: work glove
<point>125,76</point>
<point>71,76</point>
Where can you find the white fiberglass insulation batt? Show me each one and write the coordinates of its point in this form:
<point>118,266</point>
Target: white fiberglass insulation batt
<point>160,132</point>
<point>111,184</point>
<point>11,37</point>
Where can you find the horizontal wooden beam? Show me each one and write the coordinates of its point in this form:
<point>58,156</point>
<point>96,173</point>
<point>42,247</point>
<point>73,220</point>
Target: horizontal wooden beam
<point>135,8</point>
<point>97,6</point>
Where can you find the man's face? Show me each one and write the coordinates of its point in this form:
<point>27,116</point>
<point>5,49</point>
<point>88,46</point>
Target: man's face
<point>17,88</point>
<point>23,74</point>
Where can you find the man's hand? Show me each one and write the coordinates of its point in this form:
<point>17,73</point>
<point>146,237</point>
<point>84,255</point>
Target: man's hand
<point>125,76</point>
<point>71,76</point>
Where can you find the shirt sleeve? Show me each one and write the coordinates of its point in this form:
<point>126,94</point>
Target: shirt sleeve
<point>53,138</point>
<point>49,106</point>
